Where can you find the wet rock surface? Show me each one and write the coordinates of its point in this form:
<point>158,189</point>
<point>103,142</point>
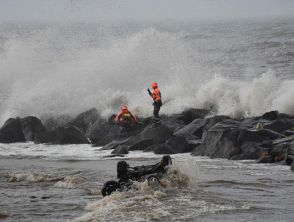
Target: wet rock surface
<point>62,135</point>
<point>267,138</point>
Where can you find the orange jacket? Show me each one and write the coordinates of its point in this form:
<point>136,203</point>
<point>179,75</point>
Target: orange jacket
<point>121,115</point>
<point>156,95</point>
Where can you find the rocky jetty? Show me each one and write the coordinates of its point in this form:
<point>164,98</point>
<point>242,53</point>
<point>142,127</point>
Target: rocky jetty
<point>268,138</point>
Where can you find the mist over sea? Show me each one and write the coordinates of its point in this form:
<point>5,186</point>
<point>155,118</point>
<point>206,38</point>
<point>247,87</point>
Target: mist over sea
<point>238,68</point>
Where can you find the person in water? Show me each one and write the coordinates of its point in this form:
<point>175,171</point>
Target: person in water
<point>125,119</point>
<point>156,96</point>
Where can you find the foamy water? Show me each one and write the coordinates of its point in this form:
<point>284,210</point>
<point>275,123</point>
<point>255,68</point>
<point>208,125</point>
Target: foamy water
<point>65,152</point>
<point>68,188</point>
<point>243,68</point>
<point>236,68</point>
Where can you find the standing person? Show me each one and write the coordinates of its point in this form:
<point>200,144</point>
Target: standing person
<point>156,96</point>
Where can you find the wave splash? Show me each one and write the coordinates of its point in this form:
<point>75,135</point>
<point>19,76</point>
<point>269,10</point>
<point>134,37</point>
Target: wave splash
<point>171,201</point>
<point>47,73</point>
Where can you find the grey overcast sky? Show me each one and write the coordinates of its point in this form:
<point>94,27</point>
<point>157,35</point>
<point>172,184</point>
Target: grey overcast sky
<point>95,10</point>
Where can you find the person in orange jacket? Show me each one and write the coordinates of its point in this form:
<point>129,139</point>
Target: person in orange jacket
<point>125,118</point>
<point>156,96</point>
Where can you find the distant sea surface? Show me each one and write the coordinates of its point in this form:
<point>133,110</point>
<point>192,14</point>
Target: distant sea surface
<point>237,68</point>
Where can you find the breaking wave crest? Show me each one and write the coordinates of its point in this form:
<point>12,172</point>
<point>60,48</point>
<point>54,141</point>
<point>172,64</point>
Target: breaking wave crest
<point>51,71</point>
<point>29,177</point>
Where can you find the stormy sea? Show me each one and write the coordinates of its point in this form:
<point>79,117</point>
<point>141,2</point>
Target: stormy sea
<point>240,69</point>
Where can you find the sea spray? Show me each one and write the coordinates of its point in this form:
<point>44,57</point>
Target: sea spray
<point>160,203</point>
<point>126,205</point>
<point>51,70</point>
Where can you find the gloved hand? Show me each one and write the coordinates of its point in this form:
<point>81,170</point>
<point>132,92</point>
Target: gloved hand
<point>148,90</point>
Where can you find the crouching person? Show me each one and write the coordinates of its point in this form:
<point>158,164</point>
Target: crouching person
<point>126,120</point>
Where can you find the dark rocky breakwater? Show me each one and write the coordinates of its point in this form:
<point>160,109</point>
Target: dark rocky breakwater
<point>267,139</point>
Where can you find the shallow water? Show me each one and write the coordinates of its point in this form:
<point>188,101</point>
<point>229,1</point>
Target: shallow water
<point>65,187</point>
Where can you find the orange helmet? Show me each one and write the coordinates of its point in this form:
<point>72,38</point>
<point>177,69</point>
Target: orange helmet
<point>154,85</point>
<point>124,108</point>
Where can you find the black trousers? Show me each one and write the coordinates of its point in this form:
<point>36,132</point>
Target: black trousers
<point>156,109</point>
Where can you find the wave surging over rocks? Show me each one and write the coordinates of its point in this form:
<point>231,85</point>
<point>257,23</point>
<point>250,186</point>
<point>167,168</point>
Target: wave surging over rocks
<point>103,72</point>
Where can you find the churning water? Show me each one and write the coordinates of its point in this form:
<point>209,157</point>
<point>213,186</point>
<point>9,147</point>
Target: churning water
<point>56,186</point>
<point>237,68</point>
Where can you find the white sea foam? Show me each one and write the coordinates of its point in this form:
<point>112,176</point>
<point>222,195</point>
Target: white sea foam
<point>147,203</point>
<point>64,152</point>
<point>30,177</point>
<point>46,74</point>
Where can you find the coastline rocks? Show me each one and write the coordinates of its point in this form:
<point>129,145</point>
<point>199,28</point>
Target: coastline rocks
<point>271,115</point>
<point>220,141</point>
<point>121,149</point>
<point>31,126</point>
<point>194,128</point>
<point>267,138</point>
<point>54,122</point>
<point>141,144</point>
<point>115,143</point>
<point>101,133</point>
<point>189,115</point>
<point>62,135</point>
<point>174,145</point>
<point>280,126</point>
<point>227,139</point>
<point>86,119</point>
<point>158,133</point>
<point>21,129</point>
<point>250,151</point>
<point>11,131</point>
<point>254,135</point>
<point>173,122</point>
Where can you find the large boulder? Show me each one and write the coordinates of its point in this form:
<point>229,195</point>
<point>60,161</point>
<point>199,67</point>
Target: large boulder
<point>195,128</point>
<point>100,133</point>
<point>158,133</point>
<point>104,131</point>
<point>275,115</point>
<point>250,151</point>
<point>280,126</point>
<point>271,115</point>
<point>220,141</point>
<point>31,126</point>
<point>173,122</point>
<point>257,136</point>
<point>227,139</point>
<point>141,144</point>
<point>11,131</point>
<point>62,135</point>
<point>171,146</point>
<point>58,121</point>
<point>187,116</point>
<point>177,145</point>
<point>253,123</point>
<point>121,149</point>
<point>84,120</point>
<point>216,119</point>
<point>115,143</point>
<point>106,139</point>
<point>281,148</point>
